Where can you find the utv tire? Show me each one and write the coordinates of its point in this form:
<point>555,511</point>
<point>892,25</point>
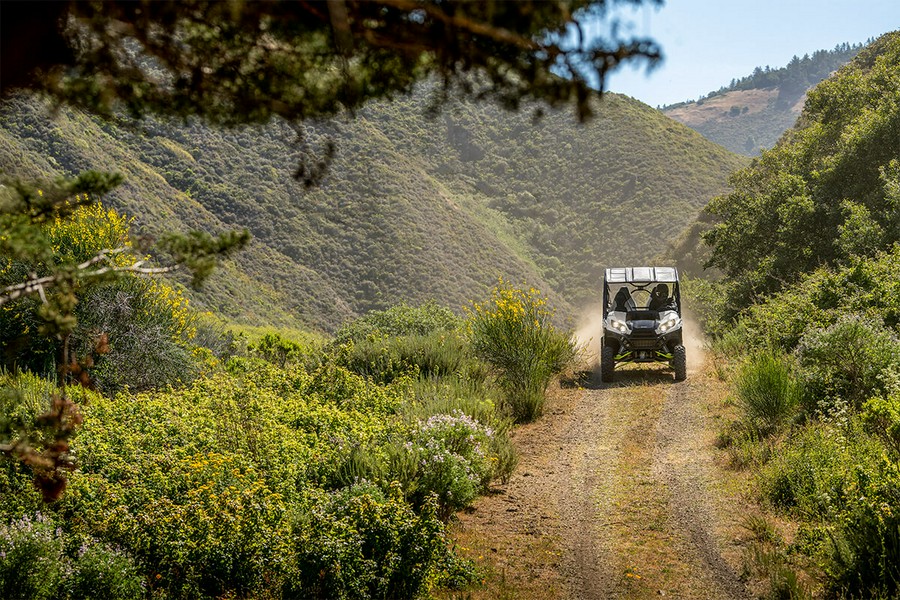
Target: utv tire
<point>607,363</point>
<point>679,363</point>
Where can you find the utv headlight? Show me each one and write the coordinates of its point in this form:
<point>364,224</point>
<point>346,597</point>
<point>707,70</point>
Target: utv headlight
<point>668,324</point>
<point>618,326</point>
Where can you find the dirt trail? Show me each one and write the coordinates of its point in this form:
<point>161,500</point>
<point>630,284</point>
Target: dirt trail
<point>616,496</point>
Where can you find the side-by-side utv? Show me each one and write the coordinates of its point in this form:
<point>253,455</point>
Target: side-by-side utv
<point>642,319</point>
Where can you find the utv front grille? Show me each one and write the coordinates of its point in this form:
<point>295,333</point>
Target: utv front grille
<point>643,344</point>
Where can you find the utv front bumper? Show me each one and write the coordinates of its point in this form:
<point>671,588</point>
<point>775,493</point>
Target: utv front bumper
<point>642,344</point>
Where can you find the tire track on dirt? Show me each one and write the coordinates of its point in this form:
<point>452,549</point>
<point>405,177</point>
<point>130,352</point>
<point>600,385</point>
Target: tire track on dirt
<point>613,498</point>
<point>683,463</point>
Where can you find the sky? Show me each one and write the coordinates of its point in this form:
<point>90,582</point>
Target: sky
<point>707,43</point>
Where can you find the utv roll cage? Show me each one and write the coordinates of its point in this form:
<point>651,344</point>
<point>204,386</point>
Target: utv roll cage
<point>641,278</point>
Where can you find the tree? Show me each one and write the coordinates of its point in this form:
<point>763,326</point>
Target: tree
<point>237,62</point>
<point>826,193</point>
<point>233,62</point>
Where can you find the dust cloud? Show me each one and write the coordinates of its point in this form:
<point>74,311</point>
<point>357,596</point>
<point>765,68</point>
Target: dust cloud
<point>587,335</point>
<point>694,342</point>
<point>590,330</point>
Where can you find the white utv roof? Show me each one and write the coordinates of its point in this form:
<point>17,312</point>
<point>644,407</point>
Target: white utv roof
<point>641,274</point>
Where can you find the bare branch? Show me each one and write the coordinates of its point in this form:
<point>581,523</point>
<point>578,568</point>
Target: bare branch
<point>40,284</point>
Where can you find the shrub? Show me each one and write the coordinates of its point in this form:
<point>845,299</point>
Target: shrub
<point>452,452</point>
<point>399,320</point>
<point>846,361</point>
<point>865,561</point>
<point>472,397</point>
<point>102,572</point>
<point>278,350</point>
<point>209,526</point>
<point>31,558</point>
<point>126,330</point>
<point>882,413</point>
<point>34,565</point>
<point>385,359</point>
<point>766,392</point>
<point>816,472</point>
<point>362,543</point>
<point>148,326</point>
<point>513,333</point>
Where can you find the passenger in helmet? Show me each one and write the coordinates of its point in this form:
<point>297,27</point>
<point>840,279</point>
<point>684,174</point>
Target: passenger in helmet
<point>659,298</point>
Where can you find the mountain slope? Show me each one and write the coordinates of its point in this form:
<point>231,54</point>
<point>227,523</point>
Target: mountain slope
<point>412,208</point>
<point>750,114</point>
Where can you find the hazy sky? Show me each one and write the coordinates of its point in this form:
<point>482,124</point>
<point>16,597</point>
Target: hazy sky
<point>707,43</point>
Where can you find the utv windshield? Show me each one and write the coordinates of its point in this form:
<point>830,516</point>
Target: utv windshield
<point>641,288</point>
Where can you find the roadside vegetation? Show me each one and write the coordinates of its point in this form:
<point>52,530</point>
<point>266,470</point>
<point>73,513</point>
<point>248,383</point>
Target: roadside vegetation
<point>807,322</point>
<point>205,463</point>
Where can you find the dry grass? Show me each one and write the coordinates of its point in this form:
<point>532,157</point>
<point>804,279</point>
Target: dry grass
<point>713,108</point>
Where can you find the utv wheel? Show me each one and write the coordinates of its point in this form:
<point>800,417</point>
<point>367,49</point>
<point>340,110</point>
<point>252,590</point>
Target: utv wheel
<point>679,363</point>
<point>607,363</point>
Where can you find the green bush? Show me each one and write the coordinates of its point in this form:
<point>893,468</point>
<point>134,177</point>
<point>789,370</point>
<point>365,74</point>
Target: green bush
<point>865,287</point>
<point>31,558</point>
<point>817,472</point>
<point>37,561</point>
<point>125,331</point>
<point>865,561</point>
<point>361,543</point>
<point>385,359</point>
<point>102,572</point>
<point>882,413</point>
<point>213,527</point>
<point>472,397</point>
<point>400,320</point>
<point>452,454</point>
<point>846,363</point>
<point>146,327</point>
<point>513,332</point>
<point>766,392</point>
<point>282,351</point>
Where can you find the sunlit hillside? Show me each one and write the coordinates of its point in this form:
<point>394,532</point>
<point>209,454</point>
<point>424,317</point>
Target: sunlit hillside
<point>413,207</point>
<point>750,114</point>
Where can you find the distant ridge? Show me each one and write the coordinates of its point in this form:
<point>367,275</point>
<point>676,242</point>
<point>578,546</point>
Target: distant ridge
<point>750,114</point>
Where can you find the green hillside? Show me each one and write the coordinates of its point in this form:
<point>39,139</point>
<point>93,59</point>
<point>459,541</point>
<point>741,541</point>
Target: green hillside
<point>751,113</point>
<point>413,207</point>
<point>806,316</point>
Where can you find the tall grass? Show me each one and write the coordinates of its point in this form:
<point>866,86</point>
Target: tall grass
<point>435,354</point>
<point>766,393</point>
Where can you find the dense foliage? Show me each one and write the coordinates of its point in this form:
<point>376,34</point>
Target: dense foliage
<point>306,480</point>
<point>825,195</point>
<point>245,62</point>
<point>811,306</point>
<point>298,471</point>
